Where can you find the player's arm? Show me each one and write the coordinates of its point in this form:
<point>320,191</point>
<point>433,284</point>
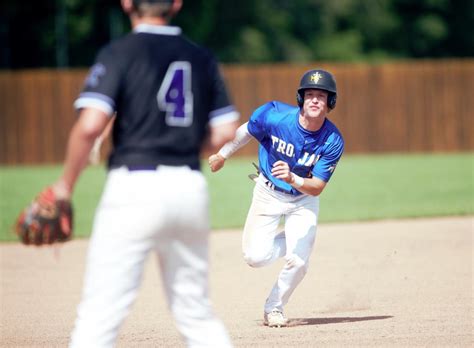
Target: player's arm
<point>311,186</point>
<point>242,137</point>
<point>94,155</point>
<point>220,134</point>
<point>89,125</point>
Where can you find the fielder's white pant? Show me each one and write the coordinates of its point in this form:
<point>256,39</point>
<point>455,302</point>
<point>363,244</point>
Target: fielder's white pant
<point>262,243</point>
<point>164,212</point>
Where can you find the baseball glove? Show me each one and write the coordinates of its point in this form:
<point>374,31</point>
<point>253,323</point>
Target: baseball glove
<point>46,220</point>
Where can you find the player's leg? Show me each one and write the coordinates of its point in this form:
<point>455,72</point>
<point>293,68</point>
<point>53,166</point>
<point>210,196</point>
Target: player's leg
<point>183,259</point>
<point>300,228</point>
<point>261,242</point>
<point>118,248</point>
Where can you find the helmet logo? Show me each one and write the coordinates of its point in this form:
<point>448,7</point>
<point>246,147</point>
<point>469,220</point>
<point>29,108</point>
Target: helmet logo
<point>315,77</point>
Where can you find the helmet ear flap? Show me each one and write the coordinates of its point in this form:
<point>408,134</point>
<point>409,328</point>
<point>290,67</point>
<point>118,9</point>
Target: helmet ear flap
<point>299,99</point>
<point>332,97</point>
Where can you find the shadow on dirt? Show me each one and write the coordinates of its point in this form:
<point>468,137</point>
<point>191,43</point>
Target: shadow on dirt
<point>333,320</point>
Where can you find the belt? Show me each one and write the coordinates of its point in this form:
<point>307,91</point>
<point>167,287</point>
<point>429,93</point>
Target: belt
<point>272,186</point>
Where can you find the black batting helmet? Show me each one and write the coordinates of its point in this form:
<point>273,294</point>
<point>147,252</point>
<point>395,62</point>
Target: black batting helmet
<point>318,79</point>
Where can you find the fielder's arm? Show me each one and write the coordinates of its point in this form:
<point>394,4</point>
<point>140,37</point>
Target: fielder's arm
<point>218,135</point>
<point>89,125</point>
<point>242,137</point>
<point>311,186</point>
<point>94,155</point>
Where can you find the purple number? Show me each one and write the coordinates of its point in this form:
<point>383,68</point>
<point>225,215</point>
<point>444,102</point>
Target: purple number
<point>175,96</point>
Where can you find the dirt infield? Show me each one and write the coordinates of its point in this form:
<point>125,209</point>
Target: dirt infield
<point>406,283</point>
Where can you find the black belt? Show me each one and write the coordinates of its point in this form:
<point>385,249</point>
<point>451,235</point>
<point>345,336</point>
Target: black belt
<point>272,186</point>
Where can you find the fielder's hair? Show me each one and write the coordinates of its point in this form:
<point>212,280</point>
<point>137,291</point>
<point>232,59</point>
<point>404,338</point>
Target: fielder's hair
<point>151,8</point>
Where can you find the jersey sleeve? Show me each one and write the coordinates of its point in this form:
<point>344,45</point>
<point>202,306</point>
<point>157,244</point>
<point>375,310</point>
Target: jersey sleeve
<point>222,110</point>
<point>102,84</point>
<point>325,166</point>
<point>257,122</point>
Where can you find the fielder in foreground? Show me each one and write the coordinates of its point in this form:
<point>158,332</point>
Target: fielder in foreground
<point>170,101</point>
<point>298,153</point>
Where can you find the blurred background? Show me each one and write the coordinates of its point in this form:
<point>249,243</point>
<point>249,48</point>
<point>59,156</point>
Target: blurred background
<point>68,33</point>
<point>404,70</point>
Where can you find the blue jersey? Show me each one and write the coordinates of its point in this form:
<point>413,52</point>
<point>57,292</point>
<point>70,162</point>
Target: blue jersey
<point>275,125</point>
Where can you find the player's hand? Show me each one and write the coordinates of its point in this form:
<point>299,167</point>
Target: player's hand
<point>216,162</point>
<point>281,170</point>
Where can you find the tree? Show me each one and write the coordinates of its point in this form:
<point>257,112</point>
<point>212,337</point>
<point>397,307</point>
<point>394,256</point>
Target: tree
<point>59,33</point>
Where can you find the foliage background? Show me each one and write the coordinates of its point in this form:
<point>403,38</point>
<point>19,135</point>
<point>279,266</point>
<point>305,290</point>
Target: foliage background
<point>68,33</point>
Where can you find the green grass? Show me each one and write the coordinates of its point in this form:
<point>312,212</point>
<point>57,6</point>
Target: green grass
<point>362,188</point>
<point>19,185</point>
<point>399,186</point>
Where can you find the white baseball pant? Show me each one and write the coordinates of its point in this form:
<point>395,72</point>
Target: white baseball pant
<point>165,212</point>
<point>262,243</point>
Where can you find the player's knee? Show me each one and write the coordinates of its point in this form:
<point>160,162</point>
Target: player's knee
<point>256,259</point>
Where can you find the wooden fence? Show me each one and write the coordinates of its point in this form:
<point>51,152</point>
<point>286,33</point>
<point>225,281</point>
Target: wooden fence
<point>421,106</point>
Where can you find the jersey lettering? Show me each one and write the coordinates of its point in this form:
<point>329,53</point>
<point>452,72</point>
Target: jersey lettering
<point>307,160</point>
<point>175,96</point>
<point>274,140</point>
<point>283,147</point>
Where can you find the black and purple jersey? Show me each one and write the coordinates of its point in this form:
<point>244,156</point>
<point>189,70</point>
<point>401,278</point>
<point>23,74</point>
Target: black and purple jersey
<point>165,92</point>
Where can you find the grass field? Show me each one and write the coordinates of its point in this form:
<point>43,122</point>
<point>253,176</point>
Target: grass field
<point>362,188</point>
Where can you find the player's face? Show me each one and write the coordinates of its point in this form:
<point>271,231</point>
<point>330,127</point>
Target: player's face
<point>315,103</point>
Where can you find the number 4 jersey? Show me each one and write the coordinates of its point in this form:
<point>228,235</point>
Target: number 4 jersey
<point>164,90</point>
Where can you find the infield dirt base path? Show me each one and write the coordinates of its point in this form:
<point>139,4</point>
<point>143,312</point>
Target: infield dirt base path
<point>406,283</point>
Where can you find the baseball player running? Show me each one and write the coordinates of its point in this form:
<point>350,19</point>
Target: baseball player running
<point>298,152</point>
<point>170,101</point>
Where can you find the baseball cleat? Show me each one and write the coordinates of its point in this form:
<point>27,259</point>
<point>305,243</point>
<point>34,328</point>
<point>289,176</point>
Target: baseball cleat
<point>275,319</point>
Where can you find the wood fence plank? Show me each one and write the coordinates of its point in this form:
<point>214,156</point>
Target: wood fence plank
<point>414,106</point>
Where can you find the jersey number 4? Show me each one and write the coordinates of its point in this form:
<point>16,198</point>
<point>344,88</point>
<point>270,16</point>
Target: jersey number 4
<point>175,96</point>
